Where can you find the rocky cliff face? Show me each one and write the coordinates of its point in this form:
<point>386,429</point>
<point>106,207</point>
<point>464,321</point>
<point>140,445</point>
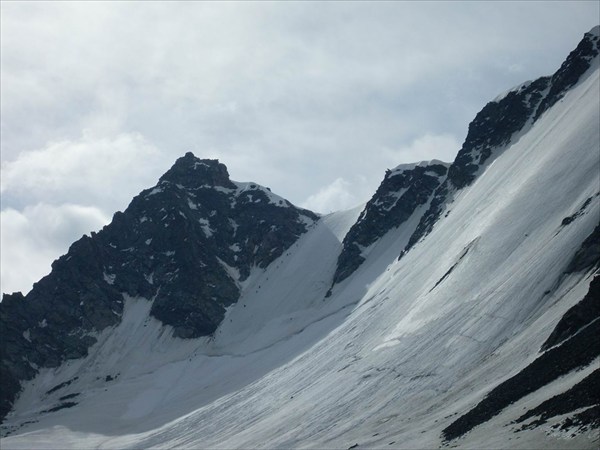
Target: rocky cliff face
<point>402,191</point>
<point>185,244</point>
<point>569,73</point>
<point>500,122</point>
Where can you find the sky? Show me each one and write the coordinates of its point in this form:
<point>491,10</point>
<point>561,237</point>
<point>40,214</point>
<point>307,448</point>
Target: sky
<point>312,99</point>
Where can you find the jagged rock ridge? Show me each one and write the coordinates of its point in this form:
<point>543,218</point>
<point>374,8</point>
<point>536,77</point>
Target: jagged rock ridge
<point>500,122</point>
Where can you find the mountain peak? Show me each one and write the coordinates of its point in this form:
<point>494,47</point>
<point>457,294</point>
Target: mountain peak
<point>193,172</point>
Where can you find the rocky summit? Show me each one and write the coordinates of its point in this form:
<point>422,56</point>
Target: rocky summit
<point>402,191</point>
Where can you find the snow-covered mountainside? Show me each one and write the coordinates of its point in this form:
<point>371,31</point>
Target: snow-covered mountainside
<point>214,314</point>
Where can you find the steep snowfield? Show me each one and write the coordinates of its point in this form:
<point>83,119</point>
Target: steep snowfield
<point>397,352</point>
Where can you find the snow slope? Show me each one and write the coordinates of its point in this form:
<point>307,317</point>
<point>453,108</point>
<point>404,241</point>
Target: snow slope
<point>397,352</point>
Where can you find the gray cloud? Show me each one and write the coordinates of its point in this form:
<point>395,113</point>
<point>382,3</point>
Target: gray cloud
<point>93,170</point>
<point>314,100</point>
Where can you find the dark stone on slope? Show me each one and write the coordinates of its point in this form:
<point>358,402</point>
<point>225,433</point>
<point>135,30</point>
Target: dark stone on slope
<point>577,317</point>
<point>400,193</point>
<point>586,393</point>
<point>587,256</point>
<point>498,123</point>
<point>61,385</point>
<point>577,351</point>
<point>178,244</point>
<point>64,405</point>
<point>451,269</point>
<point>580,212</point>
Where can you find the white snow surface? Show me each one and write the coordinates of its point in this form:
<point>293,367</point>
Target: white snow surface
<point>387,361</point>
<point>206,229</point>
<point>410,166</point>
<point>248,187</point>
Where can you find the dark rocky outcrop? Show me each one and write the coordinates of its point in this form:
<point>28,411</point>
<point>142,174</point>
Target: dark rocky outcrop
<point>577,317</point>
<point>399,195</point>
<point>584,394</point>
<point>588,255</point>
<point>576,351</point>
<point>576,64</point>
<point>580,212</point>
<point>185,244</point>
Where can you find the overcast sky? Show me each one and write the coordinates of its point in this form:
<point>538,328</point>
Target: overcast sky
<point>314,100</point>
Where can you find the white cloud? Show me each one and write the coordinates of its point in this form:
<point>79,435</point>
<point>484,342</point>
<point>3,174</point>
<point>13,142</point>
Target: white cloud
<point>336,196</point>
<point>32,239</point>
<point>424,148</point>
<point>94,170</point>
